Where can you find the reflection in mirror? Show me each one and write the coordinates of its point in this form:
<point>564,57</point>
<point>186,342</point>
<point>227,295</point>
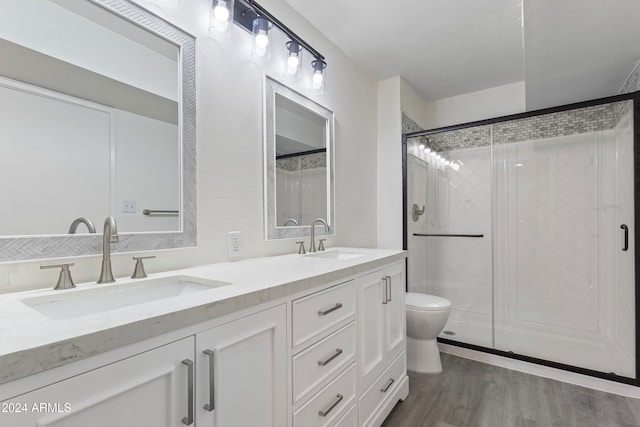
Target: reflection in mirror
<point>299,166</point>
<point>85,119</point>
<point>97,106</point>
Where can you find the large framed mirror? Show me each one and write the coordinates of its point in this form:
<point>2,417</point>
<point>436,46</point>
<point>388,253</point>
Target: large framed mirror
<point>299,163</point>
<point>97,119</point>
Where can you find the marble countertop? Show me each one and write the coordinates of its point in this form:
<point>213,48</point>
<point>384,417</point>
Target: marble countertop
<point>31,342</point>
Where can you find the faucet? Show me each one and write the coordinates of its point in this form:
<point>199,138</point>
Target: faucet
<point>110,235</point>
<point>312,247</point>
<point>82,220</point>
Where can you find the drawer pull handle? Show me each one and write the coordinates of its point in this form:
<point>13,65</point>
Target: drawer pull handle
<point>211,405</point>
<point>339,398</point>
<point>386,387</point>
<point>188,420</point>
<point>325,312</point>
<point>337,353</point>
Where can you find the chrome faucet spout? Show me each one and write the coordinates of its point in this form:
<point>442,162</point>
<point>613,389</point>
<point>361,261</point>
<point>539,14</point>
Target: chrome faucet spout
<point>313,232</point>
<point>82,220</point>
<point>110,235</point>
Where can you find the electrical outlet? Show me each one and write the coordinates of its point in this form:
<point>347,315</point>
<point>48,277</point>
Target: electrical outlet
<point>234,244</point>
<point>129,206</point>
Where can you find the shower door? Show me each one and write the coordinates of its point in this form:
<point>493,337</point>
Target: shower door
<point>528,229</point>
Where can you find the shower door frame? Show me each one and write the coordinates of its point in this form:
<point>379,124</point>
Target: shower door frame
<point>633,96</point>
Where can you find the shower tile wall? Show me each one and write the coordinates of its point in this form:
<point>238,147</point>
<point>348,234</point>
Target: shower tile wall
<point>558,183</point>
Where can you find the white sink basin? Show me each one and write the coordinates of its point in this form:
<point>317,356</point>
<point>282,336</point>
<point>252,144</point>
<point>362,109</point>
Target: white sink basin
<point>81,302</point>
<point>336,254</point>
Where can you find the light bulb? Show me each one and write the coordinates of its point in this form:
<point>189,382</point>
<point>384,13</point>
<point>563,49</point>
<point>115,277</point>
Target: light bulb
<point>317,80</point>
<point>262,40</point>
<point>293,61</point>
<point>421,146</point>
<point>221,12</point>
<point>427,149</point>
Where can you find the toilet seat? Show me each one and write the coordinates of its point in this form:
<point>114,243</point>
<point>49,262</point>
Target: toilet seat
<point>424,302</point>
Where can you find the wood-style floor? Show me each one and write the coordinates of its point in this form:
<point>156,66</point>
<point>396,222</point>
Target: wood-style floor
<point>470,393</point>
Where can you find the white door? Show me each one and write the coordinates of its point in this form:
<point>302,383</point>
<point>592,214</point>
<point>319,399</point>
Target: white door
<point>147,390</point>
<point>241,375</point>
<point>372,299</point>
<point>394,310</point>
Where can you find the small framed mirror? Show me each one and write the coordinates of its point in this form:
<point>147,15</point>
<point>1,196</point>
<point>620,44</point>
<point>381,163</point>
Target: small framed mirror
<point>299,163</point>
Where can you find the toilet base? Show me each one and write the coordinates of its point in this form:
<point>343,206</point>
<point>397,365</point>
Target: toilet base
<point>423,356</point>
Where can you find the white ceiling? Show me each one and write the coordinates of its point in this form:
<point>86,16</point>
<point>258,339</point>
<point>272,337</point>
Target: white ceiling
<point>568,50</point>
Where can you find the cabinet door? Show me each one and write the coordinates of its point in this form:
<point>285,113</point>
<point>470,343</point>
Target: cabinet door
<point>371,331</point>
<point>149,389</point>
<point>241,376</point>
<point>395,309</point>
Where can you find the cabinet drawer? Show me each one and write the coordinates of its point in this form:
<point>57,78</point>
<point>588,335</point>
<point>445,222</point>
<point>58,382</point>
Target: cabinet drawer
<point>316,313</point>
<point>384,386</point>
<point>349,419</point>
<point>330,401</point>
<point>317,363</point>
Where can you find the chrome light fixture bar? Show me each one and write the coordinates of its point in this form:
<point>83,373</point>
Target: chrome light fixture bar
<point>245,11</point>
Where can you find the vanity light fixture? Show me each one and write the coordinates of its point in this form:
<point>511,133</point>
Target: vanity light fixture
<point>293,66</point>
<point>261,49</point>
<point>318,77</point>
<point>220,16</point>
<point>256,19</point>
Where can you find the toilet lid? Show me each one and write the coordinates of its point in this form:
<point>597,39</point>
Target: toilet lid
<point>424,302</point>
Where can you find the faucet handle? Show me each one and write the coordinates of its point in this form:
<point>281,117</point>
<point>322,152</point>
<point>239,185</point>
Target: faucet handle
<point>138,270</point>
<point>64,280</point>
<point>321,245</point>
<point>301,249</point>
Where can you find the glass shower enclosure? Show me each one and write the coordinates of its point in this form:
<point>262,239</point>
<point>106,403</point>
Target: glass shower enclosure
<point>527,225</point>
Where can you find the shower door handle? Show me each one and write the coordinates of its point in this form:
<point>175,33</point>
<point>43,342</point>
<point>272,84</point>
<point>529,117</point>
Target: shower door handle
<point>626,237</point>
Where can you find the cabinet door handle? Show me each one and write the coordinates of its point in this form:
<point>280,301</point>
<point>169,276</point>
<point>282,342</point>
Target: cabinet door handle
<point>388,288</point>
<point>324,413</point>
<point>626,237</point>
<point>325,362</point>
<point>188,420</point>
<point>211,405</point>
<point>329,310</point>
<point>387,385</point>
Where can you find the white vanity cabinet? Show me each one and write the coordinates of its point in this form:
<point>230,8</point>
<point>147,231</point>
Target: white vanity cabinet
<point>328,355</point>
<point>323,356</point>
<point>148,389</point>
<point>381,340</point>
<point>242,372</point>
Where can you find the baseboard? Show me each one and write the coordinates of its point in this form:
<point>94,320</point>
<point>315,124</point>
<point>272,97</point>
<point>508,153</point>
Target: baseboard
<point>543,371</point>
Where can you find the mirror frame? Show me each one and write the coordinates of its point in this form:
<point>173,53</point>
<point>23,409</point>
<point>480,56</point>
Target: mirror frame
<point>16,248</point>
<point>272,232</point>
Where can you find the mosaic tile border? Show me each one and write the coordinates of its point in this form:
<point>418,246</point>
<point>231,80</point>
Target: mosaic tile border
<point>632,83</point>
<point>408,124</point>
<point>563,123</point>
<point>304,162</point>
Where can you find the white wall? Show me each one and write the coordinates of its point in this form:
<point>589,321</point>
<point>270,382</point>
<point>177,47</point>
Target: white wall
<point>389,178</point>
<point>230,151</point>
<point>412,104</point>
<point>484,104</point>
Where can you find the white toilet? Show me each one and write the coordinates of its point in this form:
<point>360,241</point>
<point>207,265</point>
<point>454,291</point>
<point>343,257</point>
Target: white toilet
<point>426,317</point>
